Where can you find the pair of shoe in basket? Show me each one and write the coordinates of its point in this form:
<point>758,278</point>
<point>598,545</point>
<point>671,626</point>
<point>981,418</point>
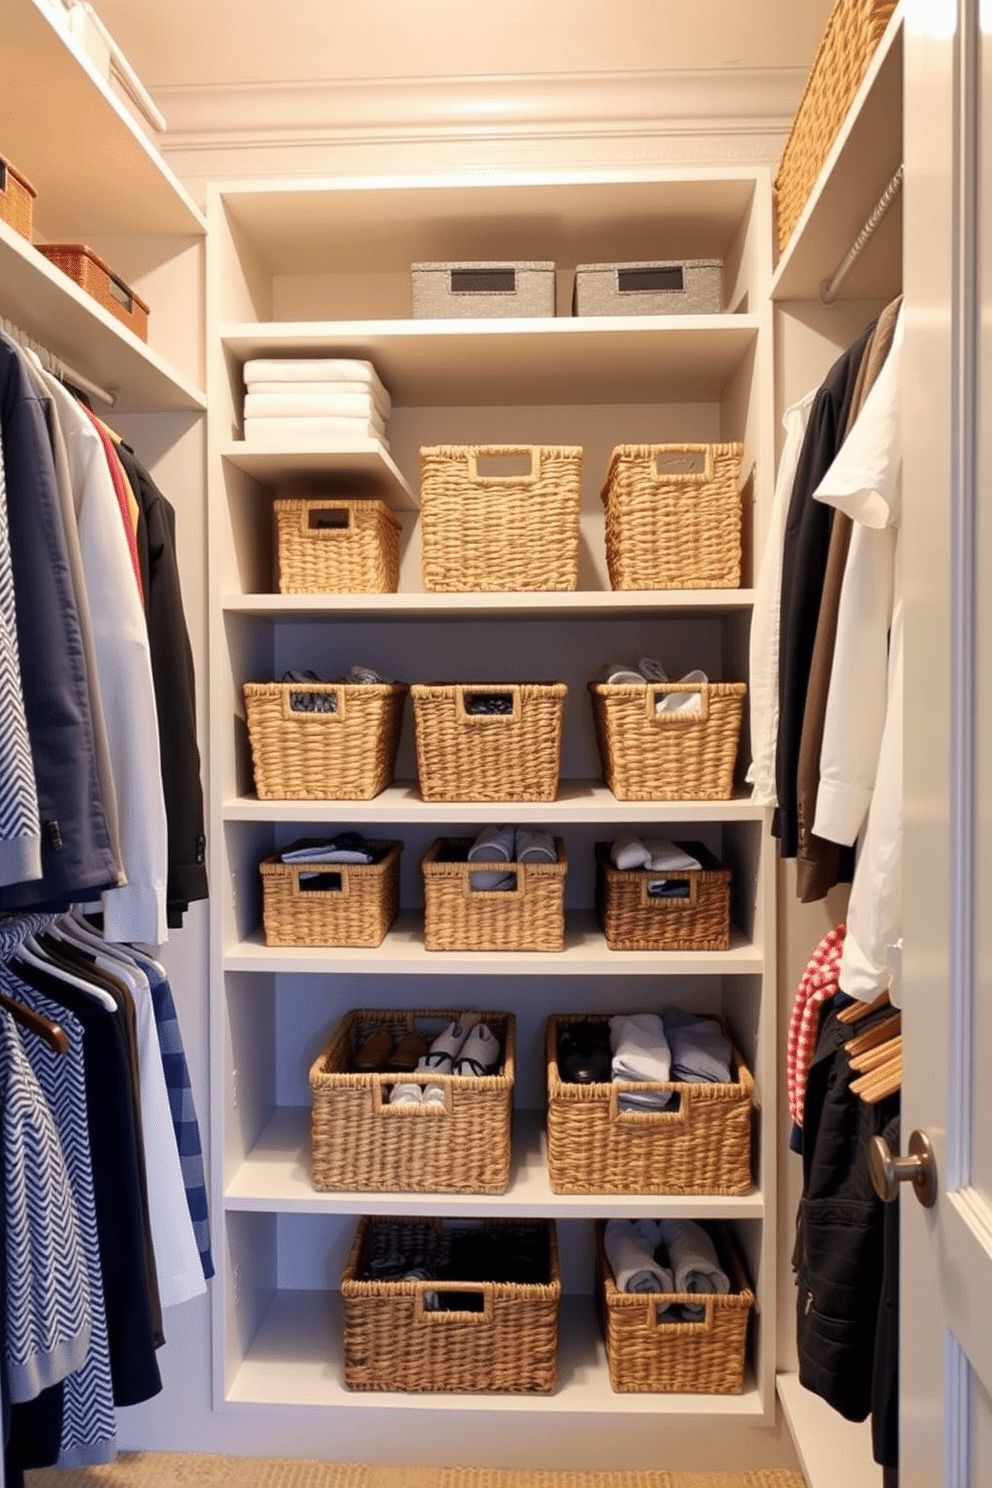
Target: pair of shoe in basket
<point>466,1047</point>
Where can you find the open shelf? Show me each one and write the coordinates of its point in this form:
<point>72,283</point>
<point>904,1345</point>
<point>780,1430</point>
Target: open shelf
<point>294,1359</point>
<point>275,1177</point>
<point>363,467</point>
<point>573,602</point>
<point>402,953</point>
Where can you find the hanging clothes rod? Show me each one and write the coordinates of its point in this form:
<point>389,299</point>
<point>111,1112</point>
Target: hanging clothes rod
<point>829,287</point>
<point>54,364</point>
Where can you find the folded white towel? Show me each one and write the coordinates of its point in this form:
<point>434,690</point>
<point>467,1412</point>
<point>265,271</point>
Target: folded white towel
<point>380,398</point>
<point>682,702</point>
<point>313,405</point>
<point>695,1264</point>
<point>640,1049</point>
<point>330,430</point>
<point>311,369</point>
<point>630,1246</point>
<point>665,855</point>
<point>493,845</point>
<point>629,852</point>
<point>535,846</point>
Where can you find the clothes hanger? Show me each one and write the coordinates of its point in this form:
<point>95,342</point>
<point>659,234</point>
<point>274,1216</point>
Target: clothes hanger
<point>32,955</point>
<point>54,1036</point>
<point>856,1012</point>
<point>872,1037</point>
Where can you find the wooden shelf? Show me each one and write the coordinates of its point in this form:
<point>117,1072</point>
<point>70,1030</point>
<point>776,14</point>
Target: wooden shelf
<point>625,359</point>
<point>294,1359</point>
<point>49,306</point>
<point>363,466</point>
<point>574,602</point>
<point>862,161</point>
<point>402,953</point>
<point>275,1178</point>
<point>577,801</point>
<point>110,179</point>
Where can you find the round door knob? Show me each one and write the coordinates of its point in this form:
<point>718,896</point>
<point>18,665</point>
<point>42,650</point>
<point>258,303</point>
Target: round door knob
<point>919,1168</point>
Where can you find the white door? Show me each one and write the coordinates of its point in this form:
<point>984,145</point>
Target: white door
<point>946,1274</point>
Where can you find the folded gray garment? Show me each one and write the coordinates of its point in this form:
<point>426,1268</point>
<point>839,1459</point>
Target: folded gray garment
<point>493,845</point>
<point>700,1050</point>
<point>364,676</point>
<point>640,1049</point>
<point>695,1265</point>
<point>535,846</point>
<point>646,1100</point>
<point>630,1249</point>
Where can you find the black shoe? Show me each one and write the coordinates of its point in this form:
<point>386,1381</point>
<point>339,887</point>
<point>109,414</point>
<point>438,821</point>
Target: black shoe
<point>584,1056</point>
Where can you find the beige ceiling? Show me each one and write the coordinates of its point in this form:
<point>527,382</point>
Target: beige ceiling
<point>213,42</point>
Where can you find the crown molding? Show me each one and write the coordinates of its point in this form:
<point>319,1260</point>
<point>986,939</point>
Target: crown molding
<point>629,104</point>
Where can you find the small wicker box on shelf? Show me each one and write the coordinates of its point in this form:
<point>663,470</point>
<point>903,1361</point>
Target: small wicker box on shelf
<point>528,917</point>
<point>323,741</point>
<point>500,532</point>
<point>505,1339</point>
<point>650,1353</point>
<point>361,1142</point>
<point>336,546</point>
<point>16,199</point>
<point>701,1146</point>
<point>88,270</point>
<point>319,903</point>
<point>853,31</point>
<point>488,741</point>
<point>673,516</point>
<point>647,755</point>
<point>634,919</point>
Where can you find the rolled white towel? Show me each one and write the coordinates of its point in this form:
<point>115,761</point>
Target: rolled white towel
<point>640,1049</point>
<point>535,846</point>
<point>493,845</point>
<point>630,852</point>
<point>695,1265</point>
<point>630,1246</point>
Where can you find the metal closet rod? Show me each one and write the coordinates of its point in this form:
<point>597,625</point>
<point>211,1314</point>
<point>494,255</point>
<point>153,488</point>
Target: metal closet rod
<point>829,287</point>
<point>55,364</point>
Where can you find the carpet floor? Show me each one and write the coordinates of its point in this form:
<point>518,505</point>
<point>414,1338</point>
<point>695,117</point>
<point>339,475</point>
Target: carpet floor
<point>183,1469</point>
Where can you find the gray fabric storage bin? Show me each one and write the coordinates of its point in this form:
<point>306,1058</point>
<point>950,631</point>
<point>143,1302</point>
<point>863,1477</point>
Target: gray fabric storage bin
<point>676,287</point>
<point>444,291</point>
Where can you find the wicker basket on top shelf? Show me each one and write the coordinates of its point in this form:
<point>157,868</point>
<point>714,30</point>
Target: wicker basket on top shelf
<point>853,32</point>
<point>88,270</point>
<point>16,199</point>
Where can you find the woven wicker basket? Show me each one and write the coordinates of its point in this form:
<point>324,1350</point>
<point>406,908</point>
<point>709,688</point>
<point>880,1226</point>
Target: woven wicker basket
<point>500,532</point>
<point>347,755</point>
<point>853,32</point>
<point>701,1147</point>
<point>466,756</point>
<point>529,917</point>
<point>16,199</point>
<point>651,756</point>
<point>634,920</point>
<point>336,547</point>
<point>331,904</point>
<point>360,1141</point>
<point>669,525</point>
<point>649,1354</point>
<point>393,1342</point>
<point>88,270</point>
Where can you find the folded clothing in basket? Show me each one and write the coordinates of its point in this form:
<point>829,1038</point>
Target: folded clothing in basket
<point>466,1253</point>
<point>676,1046</point>
<point>346,847</point>
<point>647,669</point>
<point>660,855</point>
<point>699,1048</point>
<point>667,1256</point>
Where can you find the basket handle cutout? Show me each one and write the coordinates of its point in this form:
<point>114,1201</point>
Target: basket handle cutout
<point>488,704</point>
<point>412,1111</point>
<point>327,519</point>
<point>659,1318</point>
<point>677,1114</point>
<point>653,278</point>
<point>654,693</point>
<point>690,464</point>
<point>525,471</point>
<point>676,901</point>
<point>308,702</point>
<point>481,1315</point>
<point>519,871</point>
<point>483,281</point>
<point>120,292</point>
<point>3,175</point>
<point>322,882</point>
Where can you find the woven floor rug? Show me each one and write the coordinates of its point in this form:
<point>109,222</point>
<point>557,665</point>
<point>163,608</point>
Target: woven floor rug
<point>182,1470</point>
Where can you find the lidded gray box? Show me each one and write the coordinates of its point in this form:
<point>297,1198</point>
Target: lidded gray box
<point>678,287</point>
<point>442,291</point>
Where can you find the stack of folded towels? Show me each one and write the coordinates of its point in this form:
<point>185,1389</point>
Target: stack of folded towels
<point>676,1047</point>
<point>668,1256</point>
<point>333,399</point>
<point>660,856</point>
<point>625,673</point>
<point>508,845</point>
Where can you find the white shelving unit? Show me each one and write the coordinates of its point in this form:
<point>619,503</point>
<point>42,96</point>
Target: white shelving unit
<point>810,335</point>
<point>323,267</point>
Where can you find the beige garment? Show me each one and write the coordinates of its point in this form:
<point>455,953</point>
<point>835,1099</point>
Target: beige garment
<point>817,860</point>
